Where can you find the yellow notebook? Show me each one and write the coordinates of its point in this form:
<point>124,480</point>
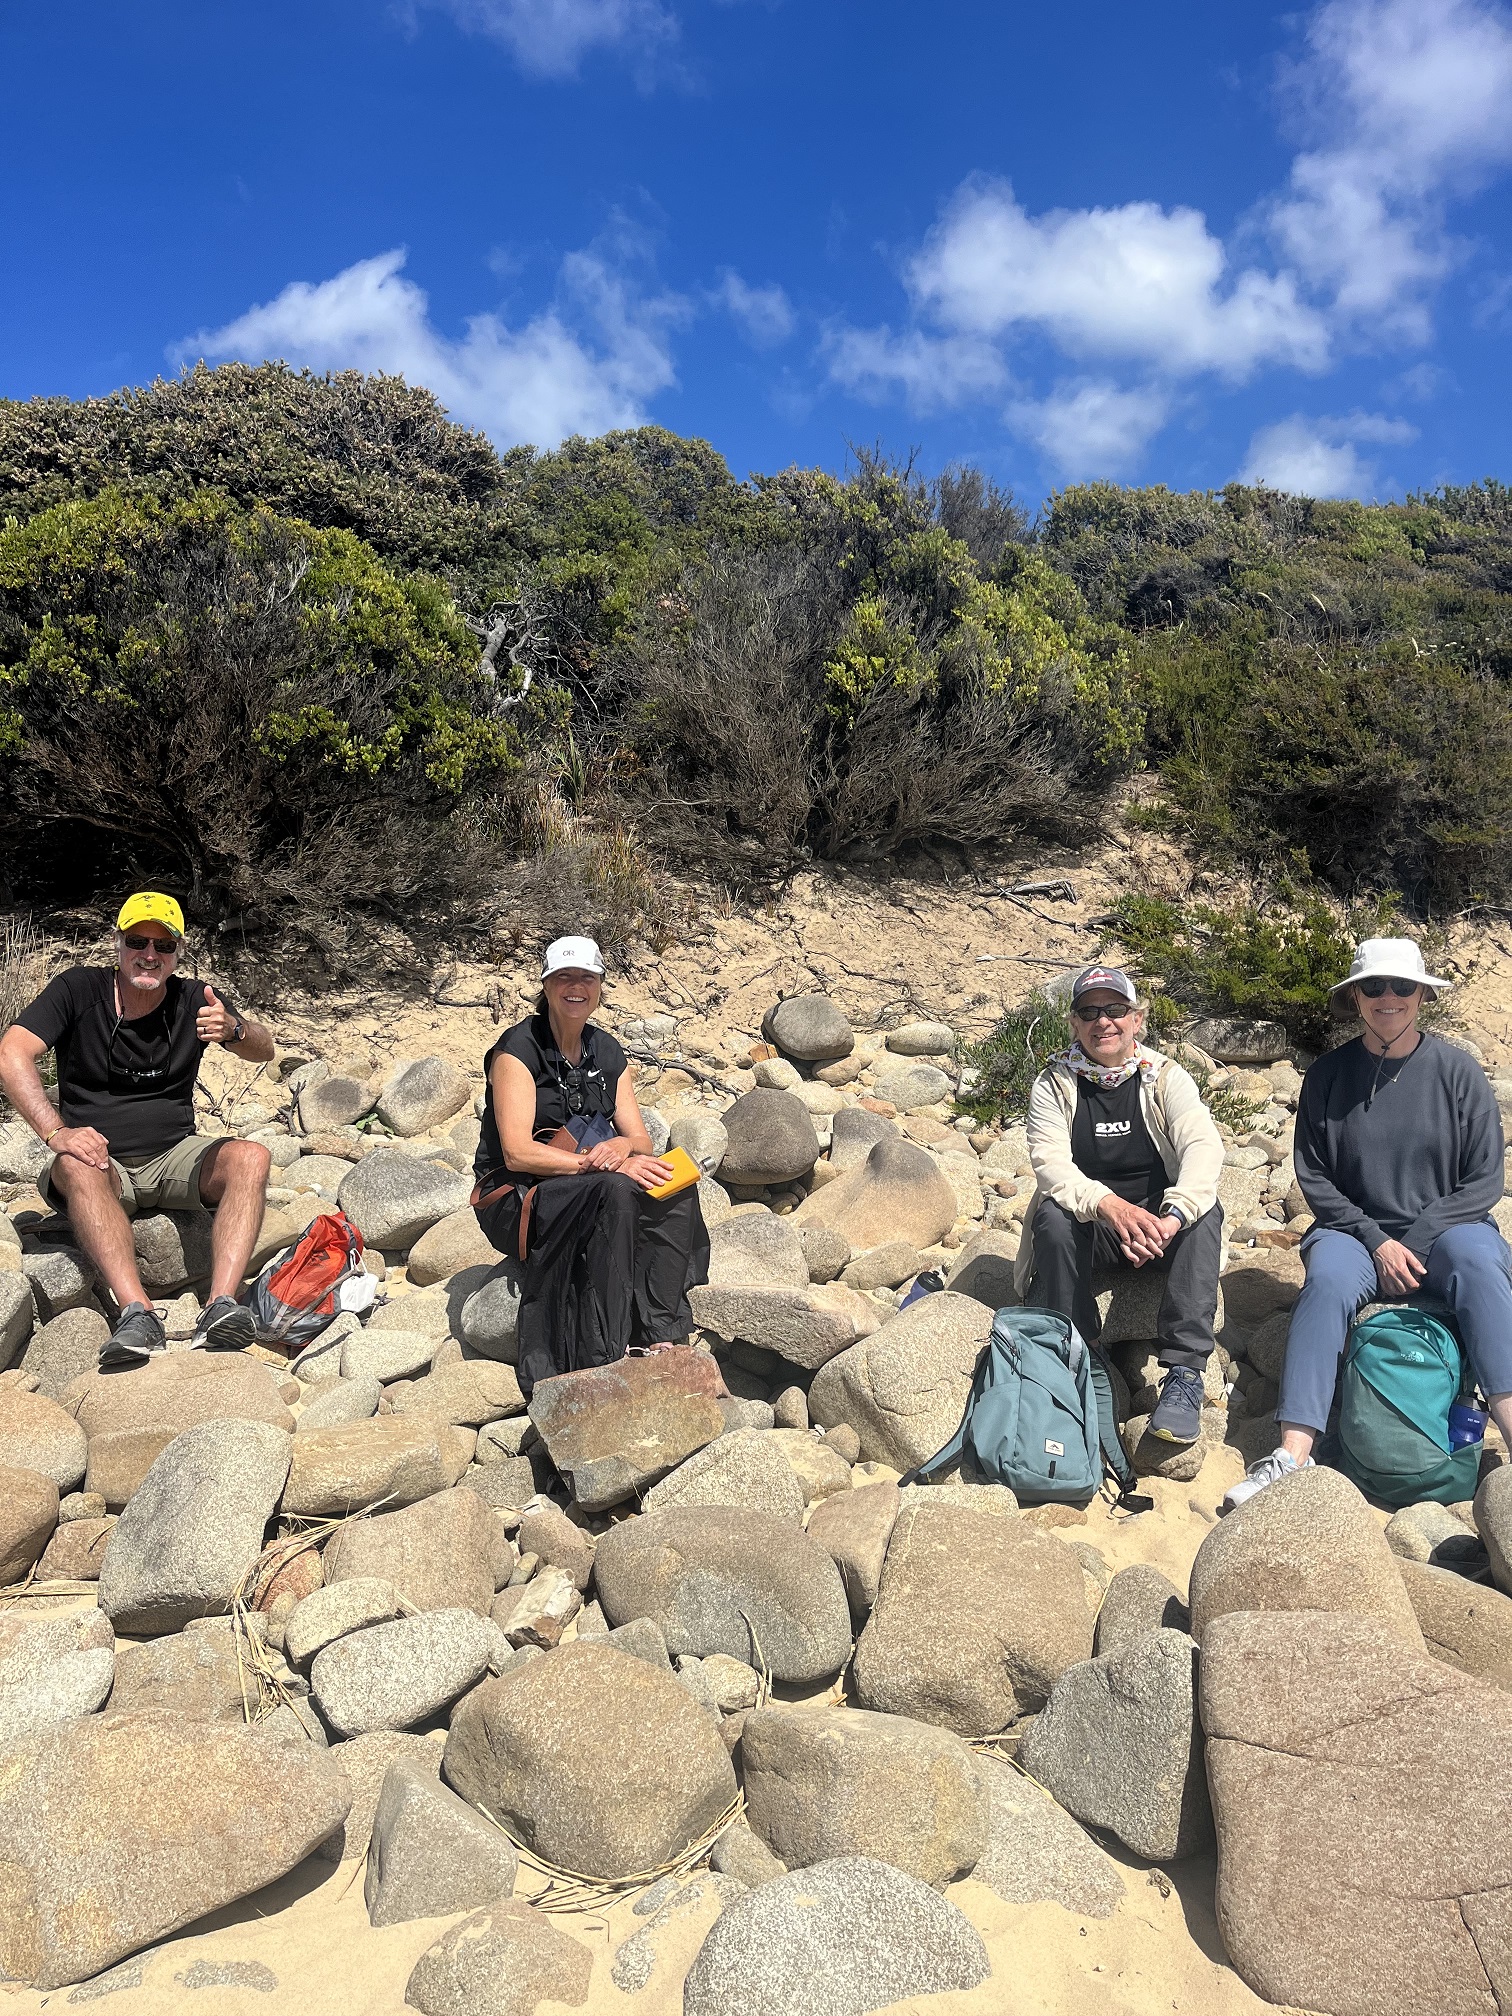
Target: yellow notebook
<point>685,1173</point>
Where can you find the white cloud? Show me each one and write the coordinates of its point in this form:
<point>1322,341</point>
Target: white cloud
<point>930,371</point>
<point>1415,98</point>
<point>1136,281</point>
<point>1318,457</point>
<point>763,315</point>
<point>1090,427</point>
<point>550,38</point>
<point>538,383</point>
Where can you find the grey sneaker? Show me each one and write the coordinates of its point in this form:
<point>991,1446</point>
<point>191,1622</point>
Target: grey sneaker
<point>137,1336</point>
<point>224,1325</point>
<point>1258,1475</point>
<point>1178,1411</point>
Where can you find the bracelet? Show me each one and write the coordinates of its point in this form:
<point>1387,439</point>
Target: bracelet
<point>46,1138</point>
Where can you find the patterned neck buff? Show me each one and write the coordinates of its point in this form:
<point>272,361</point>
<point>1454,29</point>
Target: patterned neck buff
<point>1108,1075</point>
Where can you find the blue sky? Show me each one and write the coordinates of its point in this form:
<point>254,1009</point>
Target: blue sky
<point>1176,243</point>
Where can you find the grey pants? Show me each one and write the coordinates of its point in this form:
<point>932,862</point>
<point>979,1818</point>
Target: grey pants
<point>1066,1250</point>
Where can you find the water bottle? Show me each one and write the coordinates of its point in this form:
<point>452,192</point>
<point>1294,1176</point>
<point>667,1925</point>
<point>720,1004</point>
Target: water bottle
<point>928,1284</point>
<point>1467,1424</point>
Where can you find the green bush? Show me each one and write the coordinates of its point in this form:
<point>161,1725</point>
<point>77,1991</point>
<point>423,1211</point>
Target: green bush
<point>1277,963</point>
<point>253,712</point>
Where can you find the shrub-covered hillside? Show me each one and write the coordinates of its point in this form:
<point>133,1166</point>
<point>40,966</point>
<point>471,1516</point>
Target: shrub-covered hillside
<point>310,651</point>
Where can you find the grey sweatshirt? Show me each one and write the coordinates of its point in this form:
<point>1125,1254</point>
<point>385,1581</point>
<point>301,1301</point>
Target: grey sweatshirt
<point>1398,1149</point>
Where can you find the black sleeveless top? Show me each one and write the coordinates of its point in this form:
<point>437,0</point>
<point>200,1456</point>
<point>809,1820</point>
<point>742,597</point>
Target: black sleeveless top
<point>562,1090</point>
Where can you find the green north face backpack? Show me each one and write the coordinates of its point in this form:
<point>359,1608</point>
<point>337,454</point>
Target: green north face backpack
<point>1402,1372</point>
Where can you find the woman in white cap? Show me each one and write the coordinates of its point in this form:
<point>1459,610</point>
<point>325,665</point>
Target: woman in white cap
<point>563,1168</point>
<point>1399,1154</point>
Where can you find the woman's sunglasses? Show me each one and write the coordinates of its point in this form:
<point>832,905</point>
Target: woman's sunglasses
<point>138,941</point>
<point>1374,989</point>
<point>1102,1014</point>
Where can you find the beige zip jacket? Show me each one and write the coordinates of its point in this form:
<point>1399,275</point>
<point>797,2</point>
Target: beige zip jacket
<point>1181,1127</point>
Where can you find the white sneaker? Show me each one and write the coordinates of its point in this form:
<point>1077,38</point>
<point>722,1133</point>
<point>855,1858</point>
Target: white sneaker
<point>1279,1463</point>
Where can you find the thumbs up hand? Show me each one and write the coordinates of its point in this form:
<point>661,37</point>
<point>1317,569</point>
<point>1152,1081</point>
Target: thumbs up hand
<point>215,1022</point>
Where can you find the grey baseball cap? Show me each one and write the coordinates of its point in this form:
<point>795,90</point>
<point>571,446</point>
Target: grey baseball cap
<point>1105,979</point>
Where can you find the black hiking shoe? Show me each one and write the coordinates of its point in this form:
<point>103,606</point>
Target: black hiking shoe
<point>1178,1411</point>
<point>137,1336</point>
<point>224,1326</point>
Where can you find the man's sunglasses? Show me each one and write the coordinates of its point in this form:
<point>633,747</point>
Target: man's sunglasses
<point>1374,989</point>
<point>138,941</point>
<point>1103,1014</point>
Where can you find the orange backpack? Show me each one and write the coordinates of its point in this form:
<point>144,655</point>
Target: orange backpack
<point>310,1283</point>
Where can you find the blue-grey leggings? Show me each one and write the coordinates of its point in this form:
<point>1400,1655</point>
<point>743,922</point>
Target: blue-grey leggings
<point>1467,1269</point>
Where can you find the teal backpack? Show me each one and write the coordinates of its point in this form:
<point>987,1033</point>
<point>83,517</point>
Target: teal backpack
<point>1402,1372</point>
<point>1040,1416</point>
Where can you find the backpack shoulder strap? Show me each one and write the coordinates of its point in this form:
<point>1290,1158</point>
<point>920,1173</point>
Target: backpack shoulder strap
<point>1115,1462</point>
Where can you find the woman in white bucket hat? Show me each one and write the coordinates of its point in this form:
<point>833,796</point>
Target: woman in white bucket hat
<point>1398,1152</point>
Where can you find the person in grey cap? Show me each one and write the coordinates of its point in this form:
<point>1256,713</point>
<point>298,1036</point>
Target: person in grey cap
<point>1398,1152</point>
<point>1126,1160</point>
<point>564,1172</point>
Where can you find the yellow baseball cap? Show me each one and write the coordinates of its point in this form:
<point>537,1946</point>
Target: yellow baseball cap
<point>149,906</point>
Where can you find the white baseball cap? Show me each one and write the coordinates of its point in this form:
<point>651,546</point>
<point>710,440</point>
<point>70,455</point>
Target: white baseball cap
<point>1389,959</point>
<point>565,955</point>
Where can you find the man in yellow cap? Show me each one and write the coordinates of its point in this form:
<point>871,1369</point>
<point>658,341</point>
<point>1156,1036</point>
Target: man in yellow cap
<point>128,1040</point>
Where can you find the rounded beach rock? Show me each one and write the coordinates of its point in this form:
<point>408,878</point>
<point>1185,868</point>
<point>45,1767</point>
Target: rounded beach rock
<point>709,1576</point>
<point>593,1758</point>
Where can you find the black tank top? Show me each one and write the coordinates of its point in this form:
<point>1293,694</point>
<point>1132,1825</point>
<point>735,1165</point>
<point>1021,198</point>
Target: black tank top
<point>1111,1143</point>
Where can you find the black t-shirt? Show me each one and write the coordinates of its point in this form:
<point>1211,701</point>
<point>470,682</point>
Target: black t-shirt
<point>1111,1143</point>
<point>561,1093</point>
<point>133,1080</point>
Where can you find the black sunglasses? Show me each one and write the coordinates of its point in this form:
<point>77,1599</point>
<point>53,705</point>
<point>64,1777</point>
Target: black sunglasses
<point>1374,989</point>
<point>138,941</point>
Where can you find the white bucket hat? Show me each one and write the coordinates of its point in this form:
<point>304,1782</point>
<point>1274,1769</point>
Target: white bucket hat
<point>572,954</point>
<point>1389,959</point>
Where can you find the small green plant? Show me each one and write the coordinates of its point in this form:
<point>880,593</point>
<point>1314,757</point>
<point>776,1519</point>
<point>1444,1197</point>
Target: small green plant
<point>1229,1107</point>
<point>1010,1059</point>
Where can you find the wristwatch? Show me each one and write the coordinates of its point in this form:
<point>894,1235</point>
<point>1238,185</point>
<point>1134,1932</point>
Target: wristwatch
<point>236,1037</point>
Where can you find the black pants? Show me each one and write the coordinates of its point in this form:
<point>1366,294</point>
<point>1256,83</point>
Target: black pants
<point>606,1267</point>
<point>1066,1251</point>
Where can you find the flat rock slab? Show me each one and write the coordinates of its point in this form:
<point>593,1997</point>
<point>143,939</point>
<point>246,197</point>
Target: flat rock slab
<point>745,1469</point>
<point>174,1391</point>
<point>394,1458</point>
<point>1353,1784</point>
<point>838,1939</point>
<point>1036,1853</point>
<point>195,1527</point>
<point>430,1853</point>
<point>977,1618</point>
<point>613,1430</point>
<point>1117,1744</point>
<point>438,1554</point>
<point>807,1326</point>
<point>119,1829</point>
<point>711,1577</point>
<point>595,1760</point>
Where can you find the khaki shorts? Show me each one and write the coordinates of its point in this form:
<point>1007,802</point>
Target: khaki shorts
<point>166,1182</point>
